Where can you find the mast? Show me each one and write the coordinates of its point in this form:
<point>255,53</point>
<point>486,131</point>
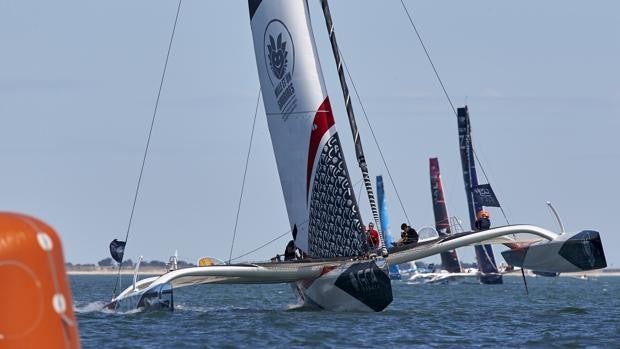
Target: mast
<point>484,253</point>
<point>359,151</point>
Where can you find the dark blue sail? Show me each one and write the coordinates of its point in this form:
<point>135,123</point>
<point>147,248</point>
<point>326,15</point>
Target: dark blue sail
<point>384,220</point>
<point>489,273</point>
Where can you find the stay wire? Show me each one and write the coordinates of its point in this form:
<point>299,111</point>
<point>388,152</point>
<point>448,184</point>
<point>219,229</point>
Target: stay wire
<point>429,57</point>
<point>267,243</point>
<point>245,172</point>
<point>487,179</point>
<point>443,87</point>
<point>374,137</point>
<point>148,141</point>
<point>260,247</point>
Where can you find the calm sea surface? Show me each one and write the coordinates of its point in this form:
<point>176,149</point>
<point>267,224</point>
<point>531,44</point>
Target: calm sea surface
<point>559,312</point>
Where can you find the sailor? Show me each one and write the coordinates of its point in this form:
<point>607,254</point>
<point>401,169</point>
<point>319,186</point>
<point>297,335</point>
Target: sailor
<point>483,222</point>
<point>372,236</point>
<point>408,235</point>
<point>289,251</point>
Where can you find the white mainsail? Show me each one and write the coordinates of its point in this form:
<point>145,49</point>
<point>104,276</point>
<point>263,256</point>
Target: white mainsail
<point>322,209</point>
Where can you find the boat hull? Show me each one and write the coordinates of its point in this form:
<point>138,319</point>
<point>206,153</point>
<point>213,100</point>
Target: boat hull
<point>158,297</point>
<point>354,286</point>
<point>582,251</point>
<point>491,279</point>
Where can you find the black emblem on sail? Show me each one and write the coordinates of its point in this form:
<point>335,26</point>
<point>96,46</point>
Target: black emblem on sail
<point>117,249</point>
<point>368,284</point>
<point>484,195</point>
<point>277,56</point>
<point>334,228</point>
<point>279,53</point>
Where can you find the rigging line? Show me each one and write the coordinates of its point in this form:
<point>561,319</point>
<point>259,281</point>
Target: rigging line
<point>148,140</point>
<point>359,192</point>
<point>429,57</point>
<point>488,181</point>
<point>312,112</point>
<point>261,246</point>
<point>374,137</point>
<point>265,244</point>
<point>245,172</point>
<point>442,86</point>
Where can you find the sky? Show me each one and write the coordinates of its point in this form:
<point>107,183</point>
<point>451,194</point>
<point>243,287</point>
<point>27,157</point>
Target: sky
<point>79,79</point>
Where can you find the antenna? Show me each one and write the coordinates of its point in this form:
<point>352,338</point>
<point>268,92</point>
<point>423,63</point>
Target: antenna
<point>557,217</point>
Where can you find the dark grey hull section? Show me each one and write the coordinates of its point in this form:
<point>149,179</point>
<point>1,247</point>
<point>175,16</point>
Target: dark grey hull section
<point>583,251</point>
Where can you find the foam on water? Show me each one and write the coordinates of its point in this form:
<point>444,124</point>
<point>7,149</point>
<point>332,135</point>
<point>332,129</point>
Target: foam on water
<point>89,307</point>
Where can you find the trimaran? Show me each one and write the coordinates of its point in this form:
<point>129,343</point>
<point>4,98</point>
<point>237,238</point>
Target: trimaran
<point>324,216</point>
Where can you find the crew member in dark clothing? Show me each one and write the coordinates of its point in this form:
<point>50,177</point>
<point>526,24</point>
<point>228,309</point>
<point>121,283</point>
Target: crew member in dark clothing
<point>408,235</point>
<point>483,222</point>
<point>289,251</point>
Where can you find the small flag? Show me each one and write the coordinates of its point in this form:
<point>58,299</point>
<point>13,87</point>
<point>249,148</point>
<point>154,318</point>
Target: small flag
<point>484,196</point>
<point>117,249</point>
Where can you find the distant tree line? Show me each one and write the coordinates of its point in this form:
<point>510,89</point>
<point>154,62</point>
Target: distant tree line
<point>109,262</point>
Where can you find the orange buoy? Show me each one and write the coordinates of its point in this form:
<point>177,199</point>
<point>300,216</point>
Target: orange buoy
<point>35,298</point>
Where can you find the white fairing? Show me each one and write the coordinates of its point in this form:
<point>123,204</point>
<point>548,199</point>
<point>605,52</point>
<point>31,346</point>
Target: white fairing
<point>322,209</point>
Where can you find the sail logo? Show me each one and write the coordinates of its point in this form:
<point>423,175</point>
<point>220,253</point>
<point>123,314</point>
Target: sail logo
<point>276,52</point>
<point>484,195</point>
<point>279,55</point>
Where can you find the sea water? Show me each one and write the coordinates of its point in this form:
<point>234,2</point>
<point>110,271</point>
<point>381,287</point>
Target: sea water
<point>558,312</point>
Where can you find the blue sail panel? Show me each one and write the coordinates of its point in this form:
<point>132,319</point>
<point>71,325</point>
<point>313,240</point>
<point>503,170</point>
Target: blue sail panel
<point>384,221</point>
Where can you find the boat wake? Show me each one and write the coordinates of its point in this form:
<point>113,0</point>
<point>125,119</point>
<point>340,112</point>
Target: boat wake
<point>89,307</point>
<point>299,307</point>
<point>99,307</point>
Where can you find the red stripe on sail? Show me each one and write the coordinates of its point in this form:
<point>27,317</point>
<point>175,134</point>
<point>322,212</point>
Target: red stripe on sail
<point>323,121</point>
